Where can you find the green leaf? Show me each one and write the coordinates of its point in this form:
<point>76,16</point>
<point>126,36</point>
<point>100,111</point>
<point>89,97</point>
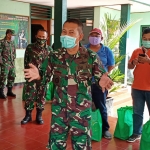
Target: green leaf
<point>121,31</point>
<point>118,59</point>
<point>113,32</point>
<point>114,88</point>
<point>116,75</point>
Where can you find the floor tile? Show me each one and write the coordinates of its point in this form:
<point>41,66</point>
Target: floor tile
<point>31,144</point>
<point>6,133</point>
<point>14,136</point>
<point>4,145</point>
<point>43,138</point>
<point>15,148</point>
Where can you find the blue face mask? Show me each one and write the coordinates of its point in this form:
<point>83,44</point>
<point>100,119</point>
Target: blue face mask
<point>68,41</point>
<point>146,44</point>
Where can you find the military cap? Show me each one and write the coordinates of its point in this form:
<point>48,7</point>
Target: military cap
<point>10,31</point>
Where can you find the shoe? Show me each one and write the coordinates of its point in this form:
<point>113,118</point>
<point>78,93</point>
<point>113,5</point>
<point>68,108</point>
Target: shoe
<point>10,93</point>
<point>107,135</point>
<point>2,95</point>
<point>39,119</point>
<point>27,117</point>
<point>133,138</point>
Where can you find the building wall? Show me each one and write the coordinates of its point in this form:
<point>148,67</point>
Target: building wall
<point>114,13</point>
<point>12,7</point>
<point>99,15</point>
<point>134,34</point>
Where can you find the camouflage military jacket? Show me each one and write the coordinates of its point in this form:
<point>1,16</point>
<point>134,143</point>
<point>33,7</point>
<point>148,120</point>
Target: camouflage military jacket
<point>72,74</point>
<point>36,55</point>
<point>7,52</point>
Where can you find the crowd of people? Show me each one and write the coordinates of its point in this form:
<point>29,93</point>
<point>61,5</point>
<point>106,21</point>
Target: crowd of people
<point>80,75</point>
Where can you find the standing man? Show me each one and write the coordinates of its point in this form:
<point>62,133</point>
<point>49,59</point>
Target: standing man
<point>72,67</point>
<point>140,62</point>
<point>107,58</point>
<point>7,63</point>
<point>34,91</point>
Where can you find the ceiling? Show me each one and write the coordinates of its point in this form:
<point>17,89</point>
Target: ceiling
<point>114,4</point>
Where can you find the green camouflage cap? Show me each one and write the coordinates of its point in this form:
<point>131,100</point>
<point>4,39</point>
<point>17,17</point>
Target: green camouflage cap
<point>10,31</point>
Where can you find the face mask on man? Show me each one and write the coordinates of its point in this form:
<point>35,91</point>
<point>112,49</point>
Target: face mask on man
<point>146,44</point>
<point>68,41</point>
<point>94,40</point>
<point>41,41</point>
<point>12,38</point>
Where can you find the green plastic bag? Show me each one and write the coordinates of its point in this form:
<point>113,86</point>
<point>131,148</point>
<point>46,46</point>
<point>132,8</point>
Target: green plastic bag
<point>145,139</point>
<point>50,91</point>
<point>124,127</point>
<point>96,125</point>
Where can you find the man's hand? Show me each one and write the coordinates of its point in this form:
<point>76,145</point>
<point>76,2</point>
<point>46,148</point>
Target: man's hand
<point>132,64</point>
<point>144,59</point>
<point>105,82</point>
<point>135,61</point>
<point>32,73</point>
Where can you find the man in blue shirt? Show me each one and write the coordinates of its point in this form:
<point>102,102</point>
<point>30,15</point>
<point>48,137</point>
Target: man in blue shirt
<point>107,58</point>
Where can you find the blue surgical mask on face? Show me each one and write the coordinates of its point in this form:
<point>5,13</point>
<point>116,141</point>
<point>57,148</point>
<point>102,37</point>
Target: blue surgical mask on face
<point>146,44</point>
<point>68,41</point>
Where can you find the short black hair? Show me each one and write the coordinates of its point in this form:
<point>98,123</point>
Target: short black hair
<point>76,21</point>
<point>43,30</point>
<point>10,31</point>
<point>146,31</point>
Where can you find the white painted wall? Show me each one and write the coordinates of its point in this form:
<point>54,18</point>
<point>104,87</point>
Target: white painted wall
<point>99,15</point>
<point>16,8</point>
<point>134,34</point>
<point>114,13</point>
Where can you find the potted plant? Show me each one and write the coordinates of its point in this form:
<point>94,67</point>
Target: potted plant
<point>112,33</point>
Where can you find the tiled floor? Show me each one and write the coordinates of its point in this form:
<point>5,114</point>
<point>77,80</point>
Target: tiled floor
<point>14,136</point>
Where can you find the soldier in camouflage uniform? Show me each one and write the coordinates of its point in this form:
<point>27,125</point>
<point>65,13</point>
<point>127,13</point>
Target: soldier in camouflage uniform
<point>72,68</point>
<point>34,91</point>
<point>7,63</point>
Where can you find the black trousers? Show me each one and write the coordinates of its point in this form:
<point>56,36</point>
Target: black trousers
<point>99,99</point>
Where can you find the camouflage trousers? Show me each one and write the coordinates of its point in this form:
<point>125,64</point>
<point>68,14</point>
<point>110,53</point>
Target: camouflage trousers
<point>34,92</point>
<point>67,120</point>
<point>7,74</point>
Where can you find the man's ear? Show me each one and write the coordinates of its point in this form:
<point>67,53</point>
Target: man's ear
<point>47,38</point>
<point>81,36</point>
<point>101,38</point>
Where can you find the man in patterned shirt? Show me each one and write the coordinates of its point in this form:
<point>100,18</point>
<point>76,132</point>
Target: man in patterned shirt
<point>72,67</point>
<point>7,63</point>
<point>34,91</point>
